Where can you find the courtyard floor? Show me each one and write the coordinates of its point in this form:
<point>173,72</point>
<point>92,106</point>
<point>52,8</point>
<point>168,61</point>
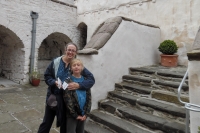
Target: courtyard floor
<point>22,107</point>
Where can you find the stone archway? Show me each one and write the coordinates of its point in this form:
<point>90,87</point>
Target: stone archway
<point>83,34</point>
<point>51,47</point>
<point>12,57</point>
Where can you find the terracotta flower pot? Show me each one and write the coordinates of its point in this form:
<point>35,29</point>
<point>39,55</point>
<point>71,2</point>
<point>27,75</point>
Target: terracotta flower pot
<point>169,60</point>
<point>35,82</point>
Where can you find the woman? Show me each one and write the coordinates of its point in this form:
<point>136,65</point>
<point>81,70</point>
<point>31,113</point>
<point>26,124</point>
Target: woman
<point>60,67</point>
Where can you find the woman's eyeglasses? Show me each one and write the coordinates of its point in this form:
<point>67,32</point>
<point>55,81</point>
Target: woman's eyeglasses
<point>71,50</point>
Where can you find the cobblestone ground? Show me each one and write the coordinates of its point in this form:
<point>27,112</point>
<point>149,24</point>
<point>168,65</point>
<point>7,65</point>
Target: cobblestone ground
<point>22,108</point>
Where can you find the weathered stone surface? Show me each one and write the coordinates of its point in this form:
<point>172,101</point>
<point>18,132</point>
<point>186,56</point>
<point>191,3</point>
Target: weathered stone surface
<point>137,78</point>
<point>194,55</point>
<point>98,41</point>
<point>91,127</point>
<point>117,124</point>
<point>171,74</point>
<point>168,96</point>
<point>144,70</point>
<point>33,125</point>
<point>110,106</point>
<point>162,106</point>
<point>5,118</point>
<point>13,127</point>
<point>135,87</point>
<point>88,51</point>
<point>152,121</point>
<point>131,99</point>
<point>27,115</point>
<point>12,108</point>
<point>171,84</point>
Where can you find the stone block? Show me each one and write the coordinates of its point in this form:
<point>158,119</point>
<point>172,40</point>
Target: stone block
<point>98,40</point>
<point>168,96</point>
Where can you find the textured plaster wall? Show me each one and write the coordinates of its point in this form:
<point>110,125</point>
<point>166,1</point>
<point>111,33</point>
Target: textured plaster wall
<point>53,17</point>
<point>120,53</point>
<point>177,19</point>
<point>194,85</point>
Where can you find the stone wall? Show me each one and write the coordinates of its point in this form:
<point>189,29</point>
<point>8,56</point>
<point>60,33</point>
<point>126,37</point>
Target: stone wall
<point>15,16</point>
<point>178,20</point>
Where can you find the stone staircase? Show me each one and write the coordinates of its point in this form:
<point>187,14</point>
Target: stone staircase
<point>144,102</point>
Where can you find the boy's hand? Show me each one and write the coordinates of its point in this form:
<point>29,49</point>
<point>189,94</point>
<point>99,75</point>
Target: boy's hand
<point>73,86</point>
<point>79,118</point>
<point>84,118</point>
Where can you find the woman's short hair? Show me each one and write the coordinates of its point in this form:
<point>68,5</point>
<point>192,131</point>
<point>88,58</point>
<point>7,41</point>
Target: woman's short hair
<point>70,43</point>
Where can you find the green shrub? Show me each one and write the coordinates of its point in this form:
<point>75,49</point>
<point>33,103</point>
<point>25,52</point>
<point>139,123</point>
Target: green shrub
<point>199,129</point>
<point>168,47</point>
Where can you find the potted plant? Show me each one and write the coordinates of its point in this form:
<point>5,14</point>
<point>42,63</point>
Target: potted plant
<point>35,77</point>
<point>168,48</point>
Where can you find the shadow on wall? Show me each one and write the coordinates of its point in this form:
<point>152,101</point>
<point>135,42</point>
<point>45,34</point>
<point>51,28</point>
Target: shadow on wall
<point>12,57</point>
<point>51,47</point>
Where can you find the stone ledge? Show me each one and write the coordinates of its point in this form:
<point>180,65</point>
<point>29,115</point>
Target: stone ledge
<point>194,55</point>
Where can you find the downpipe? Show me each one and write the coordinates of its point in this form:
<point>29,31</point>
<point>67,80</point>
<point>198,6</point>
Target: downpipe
<point>34,16</point>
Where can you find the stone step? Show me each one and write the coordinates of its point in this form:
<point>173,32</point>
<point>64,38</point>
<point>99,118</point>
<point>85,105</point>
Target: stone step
<point>141,69</point>
<point>91,127</point>
<point>117,124</point>
<point>134,87</point>
<point>158,71</point>
<point>153,122</point>
<point>153,103</point>
<point>131,99</point>
<point>168,96</point>
<point>136,78</point>
<point>162,106</point>
<point>171,74</point>
<point>171,84</point>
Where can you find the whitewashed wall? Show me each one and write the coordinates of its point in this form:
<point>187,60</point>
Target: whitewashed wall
<point>53,17</point>
<point>177,19</point>
<point>120,53</point>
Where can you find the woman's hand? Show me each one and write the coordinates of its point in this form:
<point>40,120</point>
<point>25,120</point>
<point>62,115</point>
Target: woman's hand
<point>73,86</point>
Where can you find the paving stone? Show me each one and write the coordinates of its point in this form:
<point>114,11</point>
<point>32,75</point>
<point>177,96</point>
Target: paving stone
<point>13,127</point>
<point>12,108</point>
<point>39,107</point>
<point>27,115</point>
<point>33,125</point>
<point>2,102</point>
<point>91,127</point>
<point>5,118</point>
<point>116,124</point>
<point>15,100</point>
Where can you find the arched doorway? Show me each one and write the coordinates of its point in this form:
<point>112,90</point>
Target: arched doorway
<point>11,56</point>
<point>83,34</point>
<point>51,47</point>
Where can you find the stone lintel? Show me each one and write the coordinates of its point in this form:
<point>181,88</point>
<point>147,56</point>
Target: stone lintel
<point>194,55</point>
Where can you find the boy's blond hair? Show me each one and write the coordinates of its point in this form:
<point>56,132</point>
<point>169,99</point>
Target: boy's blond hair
<point>75,61</point>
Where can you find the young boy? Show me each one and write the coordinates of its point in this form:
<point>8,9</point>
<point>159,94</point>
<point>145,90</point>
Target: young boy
<point>78,102</point>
